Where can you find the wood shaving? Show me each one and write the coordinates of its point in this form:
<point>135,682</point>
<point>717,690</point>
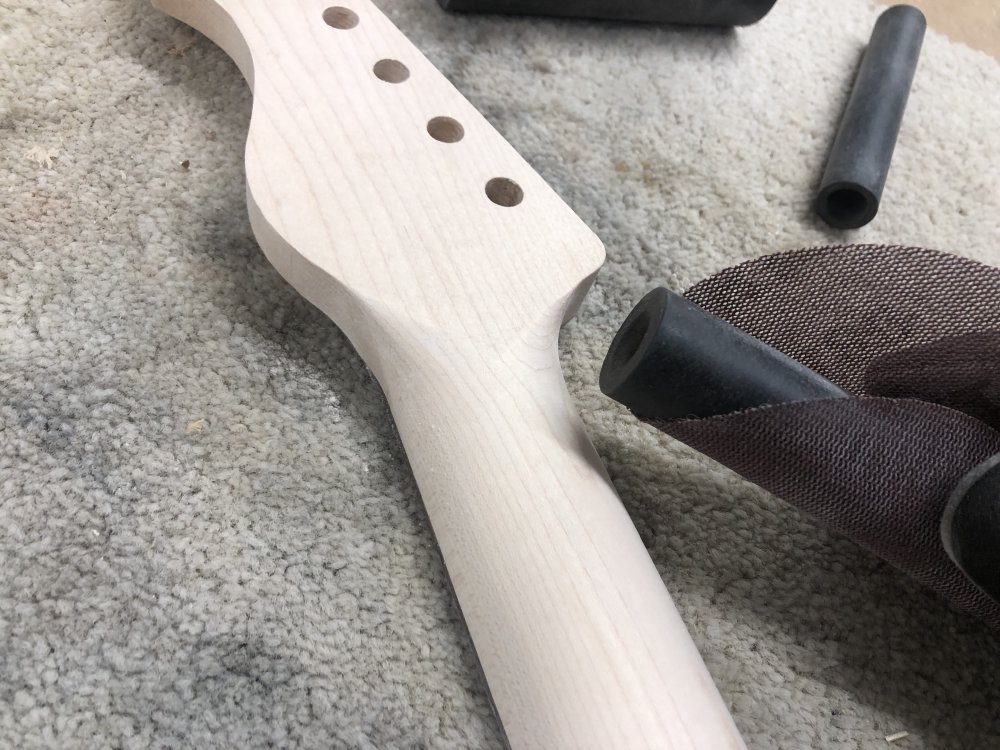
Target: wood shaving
<point>179,49</point>
<point>41,156</point>
<point>195,427</point>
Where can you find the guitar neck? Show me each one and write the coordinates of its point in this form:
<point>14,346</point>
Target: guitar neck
<point>380,193</point>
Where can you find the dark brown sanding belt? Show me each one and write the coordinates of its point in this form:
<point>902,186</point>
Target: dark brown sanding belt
<point>914,336</point>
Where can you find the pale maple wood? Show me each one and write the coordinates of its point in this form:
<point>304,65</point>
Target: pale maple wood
<point>455,303</point>
<point>972,22</point>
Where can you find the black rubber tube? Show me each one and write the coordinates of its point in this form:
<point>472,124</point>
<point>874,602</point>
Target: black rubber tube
<point>697,12</point>
<point>970,528</point>
<point>855,174</point>
<point>672,359</point>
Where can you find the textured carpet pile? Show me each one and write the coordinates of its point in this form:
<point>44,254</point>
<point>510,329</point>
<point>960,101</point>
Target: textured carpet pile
<point>209,536</point>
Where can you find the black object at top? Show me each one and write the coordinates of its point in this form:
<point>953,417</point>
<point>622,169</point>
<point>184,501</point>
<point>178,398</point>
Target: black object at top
<point>859,161</point>
<point>672,359</point>
<point>698,12</point>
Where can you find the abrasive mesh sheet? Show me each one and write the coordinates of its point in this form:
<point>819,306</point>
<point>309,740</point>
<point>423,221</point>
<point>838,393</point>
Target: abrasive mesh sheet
<point>914,335</point>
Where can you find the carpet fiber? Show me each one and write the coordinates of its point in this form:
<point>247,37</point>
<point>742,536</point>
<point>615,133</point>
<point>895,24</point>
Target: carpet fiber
<point>209,536</point>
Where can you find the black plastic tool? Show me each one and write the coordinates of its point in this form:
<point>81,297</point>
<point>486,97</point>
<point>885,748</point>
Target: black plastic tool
<point>698,12</point>
<point>672,359</point>
<point>859,162</point>
<point>970,528</point>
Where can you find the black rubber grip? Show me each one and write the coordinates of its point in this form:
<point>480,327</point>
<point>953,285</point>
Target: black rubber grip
<point>970,528</point>
<point>672,359</point>
<point>855,174</point>
<point>697,12</point>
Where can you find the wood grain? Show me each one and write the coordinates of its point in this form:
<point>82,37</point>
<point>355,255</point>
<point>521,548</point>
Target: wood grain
<point>972,22</point>
<point>451,265</point>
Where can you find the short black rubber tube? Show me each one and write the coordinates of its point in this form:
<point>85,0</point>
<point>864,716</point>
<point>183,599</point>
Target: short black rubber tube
<point>672,359</point>
<point>697,12</point>
<point>851,189</point>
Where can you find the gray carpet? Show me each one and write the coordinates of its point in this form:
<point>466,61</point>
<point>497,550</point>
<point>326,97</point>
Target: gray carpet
<point>209,536</point>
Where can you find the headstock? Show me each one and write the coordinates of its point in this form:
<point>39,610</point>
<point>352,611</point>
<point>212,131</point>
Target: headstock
<point>376,189</point>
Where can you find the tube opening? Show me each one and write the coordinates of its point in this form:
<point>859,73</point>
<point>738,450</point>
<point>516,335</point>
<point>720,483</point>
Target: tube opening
<point>631,339</point>
<point>628,349</point>
<point>847,207</point>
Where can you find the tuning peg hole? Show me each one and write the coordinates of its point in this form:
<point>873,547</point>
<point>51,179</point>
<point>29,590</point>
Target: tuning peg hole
<point>445,129</point>
<point>391,71</point>
<point>340,17</point>
<point>504,192</point>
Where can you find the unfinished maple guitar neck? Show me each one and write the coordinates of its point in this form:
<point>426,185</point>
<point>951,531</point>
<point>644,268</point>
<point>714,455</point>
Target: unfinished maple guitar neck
<point>384,197</point>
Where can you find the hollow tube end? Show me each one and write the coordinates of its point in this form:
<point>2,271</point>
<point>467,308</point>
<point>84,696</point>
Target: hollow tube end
<point>846,205</point>
<point>620,377</point>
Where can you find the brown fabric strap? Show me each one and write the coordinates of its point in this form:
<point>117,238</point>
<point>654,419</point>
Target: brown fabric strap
<point>877,470</point>
<point>914,335</point>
